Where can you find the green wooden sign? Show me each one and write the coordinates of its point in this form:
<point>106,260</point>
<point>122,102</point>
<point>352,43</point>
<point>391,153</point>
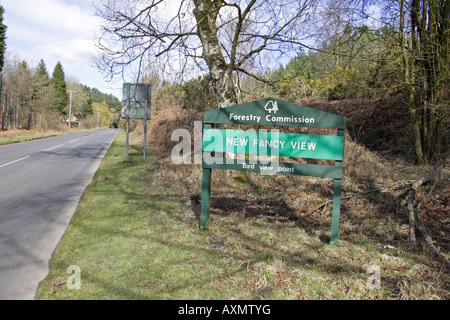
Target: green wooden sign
<point>299,169</point>
<point>267,143</point>
<point>273,112</point>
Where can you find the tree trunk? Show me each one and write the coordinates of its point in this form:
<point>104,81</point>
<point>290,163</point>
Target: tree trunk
<point>409,74</point>
<point>11,114</point>
<point>205,13</point>
<point>3,120</point>
<point>17,114</point>
<point>5,109</point>
<point>30,118</point>
<point>1,96</point>
<point>430,46</point>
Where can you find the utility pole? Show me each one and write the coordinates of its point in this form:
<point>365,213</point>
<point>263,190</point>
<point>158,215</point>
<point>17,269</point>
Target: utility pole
<point>70,105</point>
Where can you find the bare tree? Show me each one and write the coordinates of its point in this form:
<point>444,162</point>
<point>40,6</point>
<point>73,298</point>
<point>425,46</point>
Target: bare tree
<point>425,49</point>
<point>79,97</point>
<point>220,37</point>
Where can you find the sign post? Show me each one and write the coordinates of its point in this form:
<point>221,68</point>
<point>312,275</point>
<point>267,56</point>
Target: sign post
<point>136,98</point>
<point>273,112</point>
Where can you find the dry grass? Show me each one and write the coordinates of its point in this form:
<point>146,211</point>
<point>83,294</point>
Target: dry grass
<point>21,135</point>
<point>275,219</point>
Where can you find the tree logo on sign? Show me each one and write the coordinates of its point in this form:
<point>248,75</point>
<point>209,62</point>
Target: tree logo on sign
<point>274,105</point>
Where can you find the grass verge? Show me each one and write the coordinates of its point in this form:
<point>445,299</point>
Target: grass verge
<point>15,136</point>
<point>135,235</point>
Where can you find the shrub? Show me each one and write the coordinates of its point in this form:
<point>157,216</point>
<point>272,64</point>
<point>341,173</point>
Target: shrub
<point>198,94</point>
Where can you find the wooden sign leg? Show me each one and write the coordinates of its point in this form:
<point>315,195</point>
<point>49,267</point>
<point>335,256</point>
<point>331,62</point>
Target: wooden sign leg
<point>126,150</point>
<point>145,138</point>
<point>206,198</point>
<point>336,211</point>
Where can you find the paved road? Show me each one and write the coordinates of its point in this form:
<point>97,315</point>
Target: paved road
<point>41,183</point>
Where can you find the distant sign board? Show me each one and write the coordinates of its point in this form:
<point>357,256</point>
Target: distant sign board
<point>273,112</point>
<point>136,101</point>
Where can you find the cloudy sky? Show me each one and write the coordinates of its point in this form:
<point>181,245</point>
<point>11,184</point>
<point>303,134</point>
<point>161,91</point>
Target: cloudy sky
<point>57,30</point>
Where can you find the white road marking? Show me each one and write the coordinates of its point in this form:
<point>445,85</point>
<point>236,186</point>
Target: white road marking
<point>6,164</point>
<point>53,148</point>
<point>11,162</point>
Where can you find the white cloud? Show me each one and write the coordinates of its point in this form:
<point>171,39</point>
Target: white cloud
<point>53,16</point>
<point>76,20</point>
<point>78,51</point>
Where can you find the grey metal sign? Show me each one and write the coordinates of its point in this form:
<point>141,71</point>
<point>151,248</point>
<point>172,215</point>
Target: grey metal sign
<point>136,99</point>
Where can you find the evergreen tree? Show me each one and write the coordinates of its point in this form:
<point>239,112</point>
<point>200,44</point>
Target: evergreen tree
<point>59,83</point>
<point>2,39</point>
<point>43,94</point>
<point>2,61</point>
<point>42,74</point>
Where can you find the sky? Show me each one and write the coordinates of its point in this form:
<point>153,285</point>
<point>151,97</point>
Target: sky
<point>57,30</point>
